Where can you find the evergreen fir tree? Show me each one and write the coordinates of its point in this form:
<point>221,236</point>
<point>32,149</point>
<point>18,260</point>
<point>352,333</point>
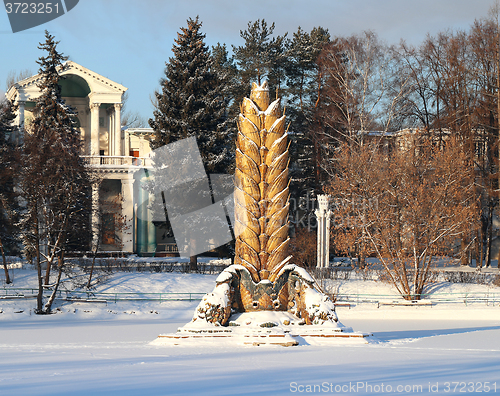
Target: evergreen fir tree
<point>302,68</point>
<point>227,74</point>
<point>54,179</point>
<point>262,57</point>
<point>8,169</point>
<point>304,85</point>
<point>191,103</point>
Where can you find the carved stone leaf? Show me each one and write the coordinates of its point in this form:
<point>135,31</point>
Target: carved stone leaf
<point>244,202</point>
<point>277,202</point>
<point>278,165</point>
<point>250,110</point>
<point>250,238</point>
<point>283,297</point>
<point>247,165</point>
<point>246,296</point>
<point>277,220</point>
<point>244,218</point>
<point>278,255</point>
<point>247,184</point>
<point>278,237</point>
<point>253,271</point>
<point>248,127</point>
<point>247,253</point>
<point>248,146</point>
<point>239,227</point>
<point>277,268</point>
<point>279,147</point>
<point>274,108</point>
<point>278,185</point>
<point>276,131</point>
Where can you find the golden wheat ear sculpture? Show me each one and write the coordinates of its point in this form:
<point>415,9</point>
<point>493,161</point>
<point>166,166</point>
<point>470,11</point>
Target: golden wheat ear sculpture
<point>262,298</point>
<point>261,187</point>
<point>262,279</point>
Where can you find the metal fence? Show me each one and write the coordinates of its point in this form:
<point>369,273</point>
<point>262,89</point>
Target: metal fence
<point>467,298</point>
<point>92,296</point>
<point>157,265</point>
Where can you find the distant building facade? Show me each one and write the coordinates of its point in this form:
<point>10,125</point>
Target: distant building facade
<point>112,150</point>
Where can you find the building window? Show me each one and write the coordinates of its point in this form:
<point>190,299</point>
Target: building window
<point>134,153</point>
<point>108,229</point>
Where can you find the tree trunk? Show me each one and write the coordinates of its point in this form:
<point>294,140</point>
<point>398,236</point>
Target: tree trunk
<point>4,260</point>
<point>488,247</point>
<point>46,280</point>
<point>48,305</point>
<point>463,252</point>
<point>498,91</point>
<point>91,271</point>
<point>489,238</point>
<point>479,249</point>
<point>193,264</point>
<point>39,297</point>
<point>93,262</point>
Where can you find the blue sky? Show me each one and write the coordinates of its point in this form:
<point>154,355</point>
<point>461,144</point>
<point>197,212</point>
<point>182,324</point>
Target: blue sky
<point>129,41</point>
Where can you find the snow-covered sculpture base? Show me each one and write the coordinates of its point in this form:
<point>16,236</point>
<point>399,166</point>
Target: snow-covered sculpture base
<point>263,328</point>
<point>288,312</point>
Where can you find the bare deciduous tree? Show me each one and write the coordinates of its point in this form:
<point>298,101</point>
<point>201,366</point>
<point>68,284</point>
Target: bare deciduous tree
<point>363,86</point>
<point>406,207</point>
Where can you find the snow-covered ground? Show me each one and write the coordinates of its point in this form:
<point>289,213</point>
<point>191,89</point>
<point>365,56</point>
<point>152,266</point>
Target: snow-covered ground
<point>97,348</point>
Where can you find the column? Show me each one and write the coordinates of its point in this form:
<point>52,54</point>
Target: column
<point>142,218</point>
<point>323,216</point>
<point>128,214</point>
<point>151,228</point>
<point>127,143</point>
<point>320,240</point>
<point>94,216</point>
<point>327,237</point>
<point>86,132</point>
<point>110,132</point>
<point>118,130</point>
<point>21,104</point>
<point>18,137</point>
<point>94,128</point>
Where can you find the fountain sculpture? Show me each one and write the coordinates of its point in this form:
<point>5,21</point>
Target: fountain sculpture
<point>263,298</point>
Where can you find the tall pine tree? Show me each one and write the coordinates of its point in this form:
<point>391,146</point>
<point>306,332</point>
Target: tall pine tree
<point>304,94</point>
<point>8,170</point>
<point>223,65</point>
<point>193,103</point>
<point>262,57</point>
<point>54,179</point>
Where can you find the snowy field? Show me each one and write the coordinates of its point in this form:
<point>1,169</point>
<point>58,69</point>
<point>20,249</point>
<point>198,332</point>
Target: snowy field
<point>97,348</point>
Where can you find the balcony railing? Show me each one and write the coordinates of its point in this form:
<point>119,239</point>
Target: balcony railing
<point>117,160</point>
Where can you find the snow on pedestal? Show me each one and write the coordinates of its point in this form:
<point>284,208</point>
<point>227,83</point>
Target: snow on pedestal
<point>310,320</point>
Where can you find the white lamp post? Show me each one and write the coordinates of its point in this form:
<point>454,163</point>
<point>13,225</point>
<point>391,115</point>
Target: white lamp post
<point>323,215</point>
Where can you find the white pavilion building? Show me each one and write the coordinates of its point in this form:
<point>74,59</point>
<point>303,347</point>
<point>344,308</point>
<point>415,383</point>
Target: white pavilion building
<point>112,150</point>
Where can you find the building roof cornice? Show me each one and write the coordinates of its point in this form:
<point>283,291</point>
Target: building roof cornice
<point>27,88</point>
